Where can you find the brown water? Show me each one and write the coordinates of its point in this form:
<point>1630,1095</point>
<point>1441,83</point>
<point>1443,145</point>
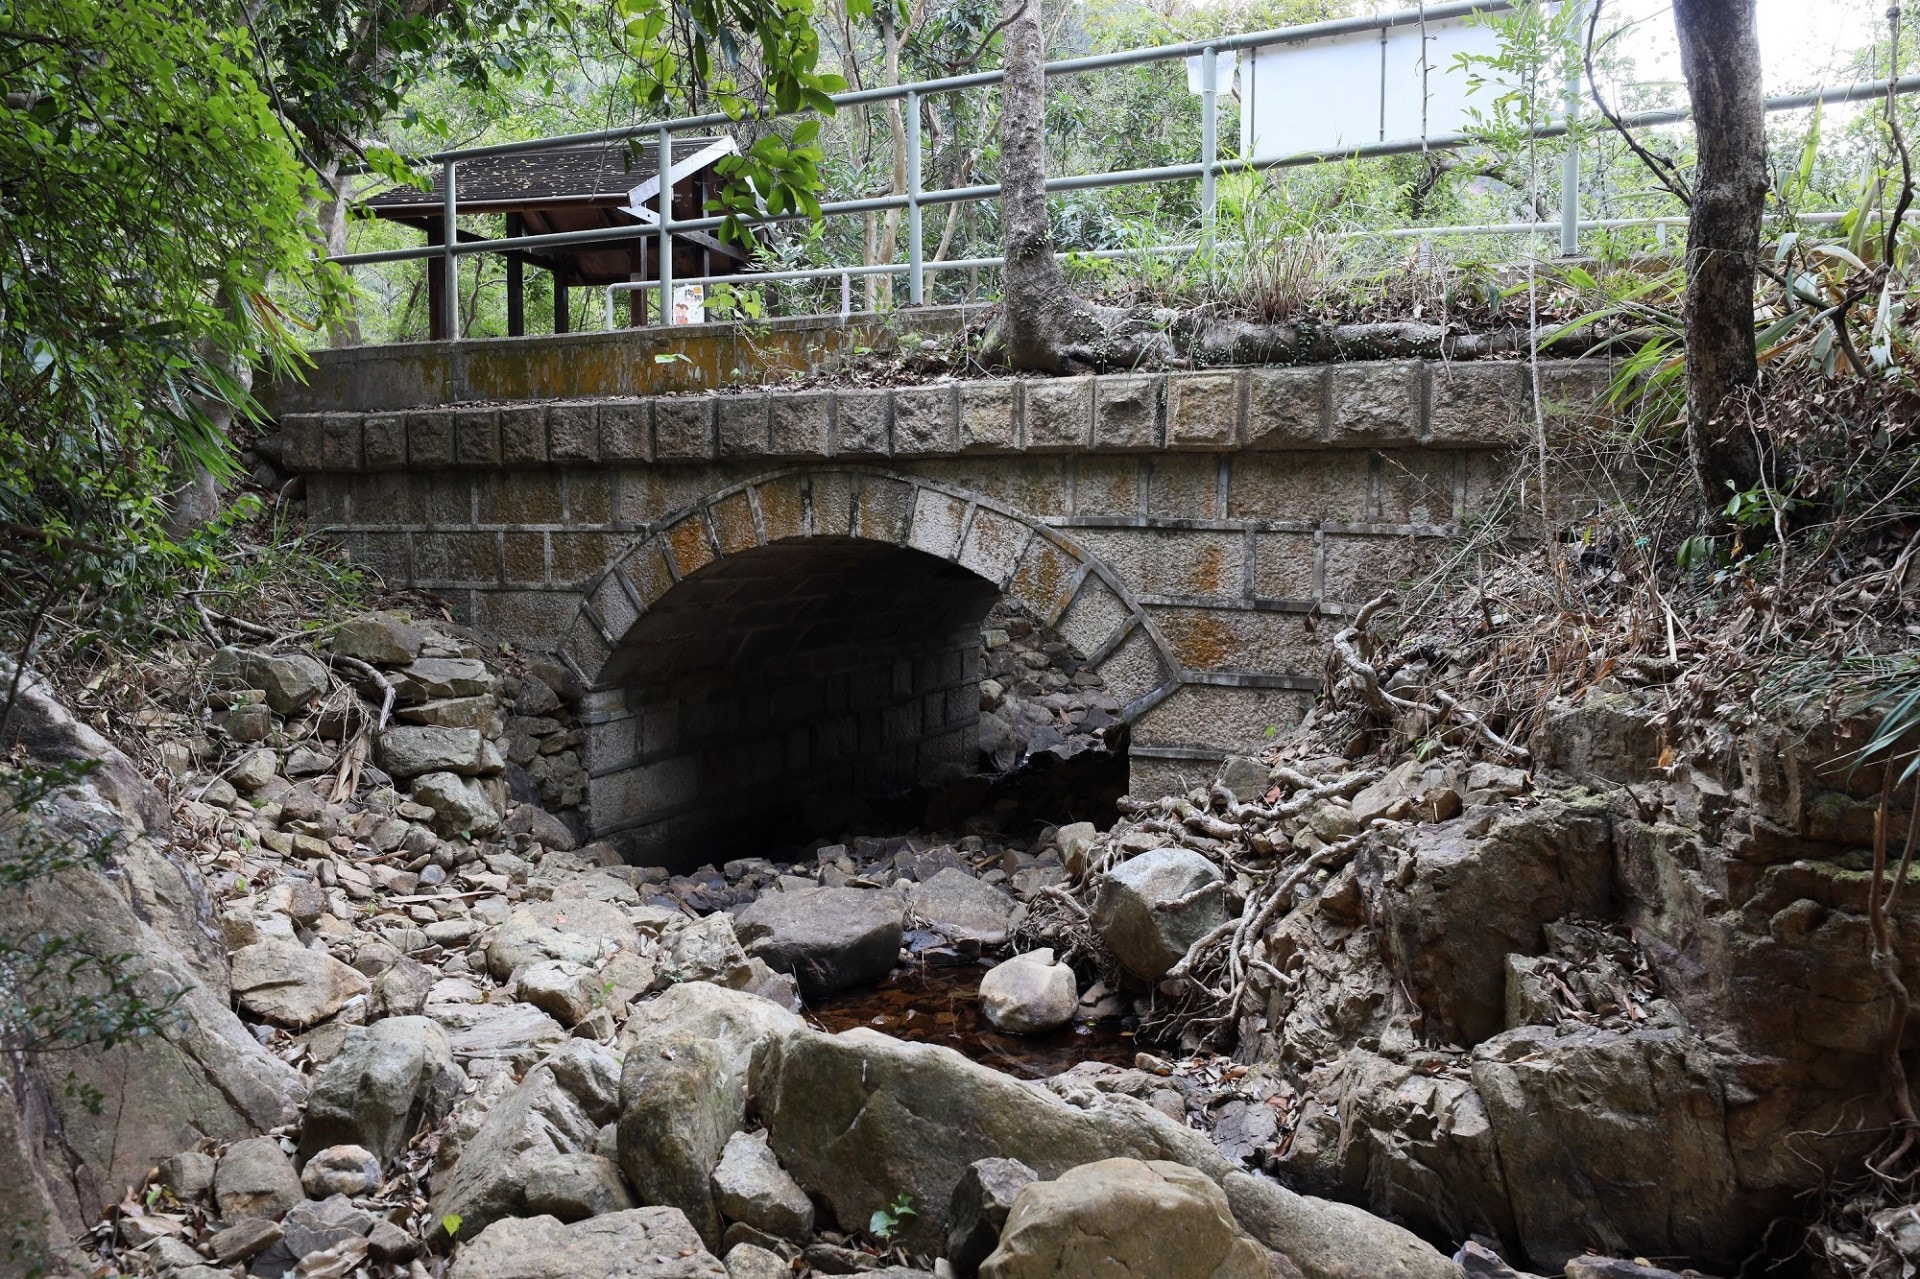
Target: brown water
<point>942,1006</point>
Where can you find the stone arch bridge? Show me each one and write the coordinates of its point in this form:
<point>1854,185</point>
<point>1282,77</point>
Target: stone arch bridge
<point>775,593</point>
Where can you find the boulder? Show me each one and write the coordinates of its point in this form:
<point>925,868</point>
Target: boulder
<point>1407,1141</point>
<point>385,1083</point>
<point>1150,909</point>
<point>402,987</point>
<point>497,1036</point>
<point>1579,1119</point>
<point>640,1243</point>
<point>292,986</point>
<point>188,1175</point>
<point>1125,1217</point>
<point>243,1239</point>
<point>341,1170</point>
<point>1075,839</point>
<point>749,1261</point>
<point>577,929</point>
<point>827,938</point>
<point>1246,778</point>
<point>1331,1240</point>
<point>962,909</point>
<point>683,1091</point>
<point>540,826</point>
<point>453,712</point>
<point>410,750</point>
<point>556,1110</point>
<point>979,1211</point>
<point>860,1118</point>
<point>706,949</point>
<point>461,805</point>
<point>315,1228</point>
<point>256,1179</point>
<point>254,770</point>
<point>1029,994</point>
<point>1614,737</point>
<point>750,1185</point>
<point>200,1075</point>
<point>573,1187</point>
<point>562,990</point>
<point>379,638</point>
<point>1462,896</point>
<point>446,677</point>
<point>290,680</point>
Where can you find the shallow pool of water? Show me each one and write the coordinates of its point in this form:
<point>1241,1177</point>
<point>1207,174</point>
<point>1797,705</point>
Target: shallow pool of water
<point>942,1006</point>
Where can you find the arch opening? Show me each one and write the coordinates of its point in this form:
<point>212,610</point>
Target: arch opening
<point>776,680</point>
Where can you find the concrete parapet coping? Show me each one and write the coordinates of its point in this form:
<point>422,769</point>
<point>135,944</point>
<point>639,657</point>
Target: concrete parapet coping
<point>1378,405</point>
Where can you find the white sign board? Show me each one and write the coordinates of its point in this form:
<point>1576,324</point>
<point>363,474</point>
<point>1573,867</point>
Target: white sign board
<point>689,304</point>
<point>1356,90</point>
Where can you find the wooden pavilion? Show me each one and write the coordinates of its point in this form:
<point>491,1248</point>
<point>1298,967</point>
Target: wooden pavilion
<point>576,188</point>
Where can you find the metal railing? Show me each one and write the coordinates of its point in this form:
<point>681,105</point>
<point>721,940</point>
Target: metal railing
<point>1207,169</point>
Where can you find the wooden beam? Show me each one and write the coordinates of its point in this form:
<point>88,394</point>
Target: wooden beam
<point>437,284</point>
<point>637,299</point>
<point>516,284</point>
<point>561,321</point>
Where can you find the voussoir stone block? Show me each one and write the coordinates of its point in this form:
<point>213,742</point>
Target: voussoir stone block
<point>340,442</point>
<point>1203,410</point>
<point>797,425</point>
<point>923,420</point>
<point>1286,408</point>
<point>683,428</point>
<point>384,437</point>
<point>626,431</point>
<point>861,421</point>
<point>1059,413</point>
<point>476,436</point>
<point>1376,404</point>
<point>301,433</point>
<point>743,424</point>
<point>1477,403</point>
<point>573,432</point>
<point>989,416</point>
<point>430,437</point>
<point>1127,411</point>
<point>523,434</point>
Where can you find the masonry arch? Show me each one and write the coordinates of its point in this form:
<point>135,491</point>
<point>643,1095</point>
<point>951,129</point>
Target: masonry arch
<point>812,631</point>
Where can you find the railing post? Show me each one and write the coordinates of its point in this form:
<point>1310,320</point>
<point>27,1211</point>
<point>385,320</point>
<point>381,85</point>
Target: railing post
<point>1570,166</point>
<point>664,146</point>
<point>916,277</point>
<point>1209,141</point>
<point>450,264</point>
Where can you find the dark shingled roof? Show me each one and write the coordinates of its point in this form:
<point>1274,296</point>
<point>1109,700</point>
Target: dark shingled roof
<point>600,174</point>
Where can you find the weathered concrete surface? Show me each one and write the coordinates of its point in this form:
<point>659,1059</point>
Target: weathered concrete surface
<point>773,594</point>
<point>645,361</point>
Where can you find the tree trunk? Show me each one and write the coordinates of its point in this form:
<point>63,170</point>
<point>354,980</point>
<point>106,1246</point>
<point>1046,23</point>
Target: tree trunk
<point>891,38</point>
<point>1041,320</point>
<point>331,214</point>
<point>1720,54</point>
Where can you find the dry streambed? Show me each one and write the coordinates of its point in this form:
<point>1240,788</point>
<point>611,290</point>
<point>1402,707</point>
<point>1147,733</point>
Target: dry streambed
<point>475,1048</point>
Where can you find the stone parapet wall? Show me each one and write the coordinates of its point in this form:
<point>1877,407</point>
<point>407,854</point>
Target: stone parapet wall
<point>1405,404</point>
<point>1189,532</point>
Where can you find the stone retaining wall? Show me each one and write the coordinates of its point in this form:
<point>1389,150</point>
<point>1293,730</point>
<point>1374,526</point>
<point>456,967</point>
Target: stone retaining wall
<point>1186,531</point>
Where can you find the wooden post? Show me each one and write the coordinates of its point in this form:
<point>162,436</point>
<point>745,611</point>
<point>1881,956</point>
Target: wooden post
<point>561,323</point>
<point>636,271</point>
<point>437,283</point>
<point>516,281</point>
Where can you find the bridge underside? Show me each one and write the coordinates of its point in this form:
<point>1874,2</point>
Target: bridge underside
<point>768,684</point>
